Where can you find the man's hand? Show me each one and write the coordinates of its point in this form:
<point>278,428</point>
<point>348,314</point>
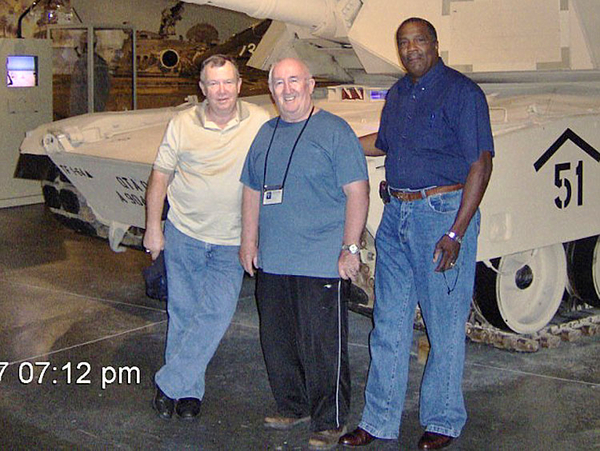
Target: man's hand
<point>448,250</point>
<point>348,265</point>
<point>249,257</point>
<point>154,242</point>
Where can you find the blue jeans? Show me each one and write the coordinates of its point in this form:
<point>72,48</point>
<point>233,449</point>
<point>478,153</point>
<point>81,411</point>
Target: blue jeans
<point>204,282</point>
<point>405,276</point>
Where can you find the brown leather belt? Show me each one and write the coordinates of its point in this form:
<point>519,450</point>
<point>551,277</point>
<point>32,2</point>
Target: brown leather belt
<point>409,196</point>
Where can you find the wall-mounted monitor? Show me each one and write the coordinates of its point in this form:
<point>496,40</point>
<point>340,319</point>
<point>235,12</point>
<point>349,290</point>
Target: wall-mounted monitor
<point>21,71</point>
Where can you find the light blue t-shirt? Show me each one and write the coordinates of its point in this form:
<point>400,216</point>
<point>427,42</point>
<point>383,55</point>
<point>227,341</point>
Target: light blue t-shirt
<point>303,235</point>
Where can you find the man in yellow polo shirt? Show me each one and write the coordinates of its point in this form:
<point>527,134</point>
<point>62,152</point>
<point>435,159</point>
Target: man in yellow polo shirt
<point>197,168</point>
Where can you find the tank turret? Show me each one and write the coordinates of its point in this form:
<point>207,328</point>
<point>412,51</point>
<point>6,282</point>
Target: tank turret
<point>353,40</point>
<point>319,32</point>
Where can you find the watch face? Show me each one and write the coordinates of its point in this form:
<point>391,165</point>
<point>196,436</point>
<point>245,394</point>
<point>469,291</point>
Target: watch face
<point>352,248</point>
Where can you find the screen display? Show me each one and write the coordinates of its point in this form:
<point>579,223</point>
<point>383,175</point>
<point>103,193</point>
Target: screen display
<point>378,94</point>
<point>21,71</point>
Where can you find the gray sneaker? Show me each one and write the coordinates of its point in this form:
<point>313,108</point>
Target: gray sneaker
<point>282,423</point>
<point>327,439</point>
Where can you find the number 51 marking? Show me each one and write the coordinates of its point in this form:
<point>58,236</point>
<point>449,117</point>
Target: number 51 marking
<point>562,180</point>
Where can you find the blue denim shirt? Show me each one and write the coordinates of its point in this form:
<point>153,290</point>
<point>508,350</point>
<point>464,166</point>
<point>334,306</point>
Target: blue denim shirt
<point>433,130</point>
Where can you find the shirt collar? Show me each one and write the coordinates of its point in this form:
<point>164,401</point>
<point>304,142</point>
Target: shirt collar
<point>429,78</point>
<point>241,114</point>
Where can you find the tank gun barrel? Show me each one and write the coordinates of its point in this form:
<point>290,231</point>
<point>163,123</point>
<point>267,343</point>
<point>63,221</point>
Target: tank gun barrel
<point>318,15</point>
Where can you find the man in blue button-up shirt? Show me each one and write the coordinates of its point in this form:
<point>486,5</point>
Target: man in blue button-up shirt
<point>436,135</point>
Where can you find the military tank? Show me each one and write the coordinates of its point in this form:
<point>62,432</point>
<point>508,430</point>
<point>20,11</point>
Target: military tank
<point>538,65</point>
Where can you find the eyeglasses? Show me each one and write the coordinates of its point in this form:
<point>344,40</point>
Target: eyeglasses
<point>451,289</point>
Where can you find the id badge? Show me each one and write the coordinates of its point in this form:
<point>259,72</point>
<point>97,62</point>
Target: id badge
<point>272,195</point>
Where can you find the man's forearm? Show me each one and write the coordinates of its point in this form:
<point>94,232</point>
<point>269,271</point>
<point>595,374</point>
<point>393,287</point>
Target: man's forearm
<point>250,217</point>
<point>475,186</point>
<point>155,199</point>
<point>156,193</point>
<point>250,213</point>
<point>368,144</point>
<point>357,207</point>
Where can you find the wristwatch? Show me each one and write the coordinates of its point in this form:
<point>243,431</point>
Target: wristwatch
<point>352,248</point>
<point>454,236</point>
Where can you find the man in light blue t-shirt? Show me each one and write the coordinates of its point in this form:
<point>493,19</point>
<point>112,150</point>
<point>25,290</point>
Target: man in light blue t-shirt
<point>305,204</point>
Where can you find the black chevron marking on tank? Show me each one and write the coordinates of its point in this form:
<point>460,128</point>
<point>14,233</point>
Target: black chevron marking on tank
<point>567,135</point>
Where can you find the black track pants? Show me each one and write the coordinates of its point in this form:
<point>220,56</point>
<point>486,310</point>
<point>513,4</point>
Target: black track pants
<point>304,337</point>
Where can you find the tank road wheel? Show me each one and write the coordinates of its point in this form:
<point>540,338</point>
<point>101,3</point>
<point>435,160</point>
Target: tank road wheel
<point>584,269</point>
<point>64,202</point>
<point>524,290</point>
<point>49,190</point>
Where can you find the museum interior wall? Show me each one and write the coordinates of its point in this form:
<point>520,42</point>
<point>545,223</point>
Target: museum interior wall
<point>171,40</point>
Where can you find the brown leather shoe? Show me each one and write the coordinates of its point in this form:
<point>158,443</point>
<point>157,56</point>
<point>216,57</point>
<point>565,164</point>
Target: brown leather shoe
<point>432,440</point>
<point>358,437</point>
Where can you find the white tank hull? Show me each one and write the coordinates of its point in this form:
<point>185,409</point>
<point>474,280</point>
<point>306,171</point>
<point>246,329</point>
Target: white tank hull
<point>545,109</point>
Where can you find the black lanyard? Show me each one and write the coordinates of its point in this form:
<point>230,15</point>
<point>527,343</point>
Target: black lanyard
<point>291,153</point>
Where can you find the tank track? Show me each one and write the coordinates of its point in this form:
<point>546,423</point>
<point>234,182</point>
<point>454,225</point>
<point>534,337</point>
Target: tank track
<point>70,208</point>
<point>569,324</point>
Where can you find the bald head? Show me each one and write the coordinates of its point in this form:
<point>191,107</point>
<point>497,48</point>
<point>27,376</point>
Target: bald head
<point>302,66</point>
<point>292,85</point>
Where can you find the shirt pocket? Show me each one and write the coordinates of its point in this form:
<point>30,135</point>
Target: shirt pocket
<point>435,130</point>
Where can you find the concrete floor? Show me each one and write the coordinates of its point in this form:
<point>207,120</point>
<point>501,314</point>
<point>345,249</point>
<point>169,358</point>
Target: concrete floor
<point>68,300</point>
